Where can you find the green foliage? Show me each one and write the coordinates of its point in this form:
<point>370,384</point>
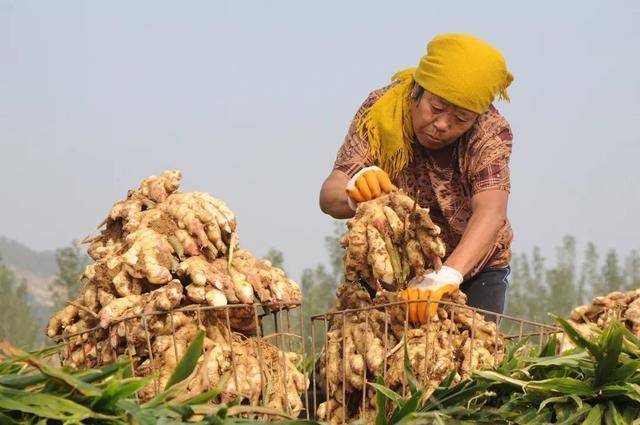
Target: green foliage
<point>597,382</point>
<point>17,322</point>
<point>276,257</point>
<point>32,391</point>
<point>188,362</point>
<point>71,263</point>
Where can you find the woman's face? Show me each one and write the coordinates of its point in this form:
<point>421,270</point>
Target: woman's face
<point>438,123</point>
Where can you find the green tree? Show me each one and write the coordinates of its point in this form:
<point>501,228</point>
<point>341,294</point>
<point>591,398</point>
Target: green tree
<point>319,290</point>
<point>538,267</point>
<point>561,280</point>
<point>589,276</point>
<point>71,263</point>
<point>527,287</point>
<point>276,257</point>
<point>537,288</point>
<point>17,322</point>
<point>518,290</point>
<point>632,271</point>
<point>319,284</point>
<point>335,250</point>
<point>612,278</point>
<point>561,287</point>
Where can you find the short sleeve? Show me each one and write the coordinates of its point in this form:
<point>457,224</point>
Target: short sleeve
<point>354,154</point>
<point>490,169</point>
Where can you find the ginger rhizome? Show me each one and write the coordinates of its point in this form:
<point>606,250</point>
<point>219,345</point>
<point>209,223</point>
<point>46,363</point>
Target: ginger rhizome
<point>589,319</point>
<point>364,344</point>
<point>161,250</point>
<point>391,239</point>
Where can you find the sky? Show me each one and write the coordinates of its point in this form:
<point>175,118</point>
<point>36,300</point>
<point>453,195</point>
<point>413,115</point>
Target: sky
<point>251,100</point>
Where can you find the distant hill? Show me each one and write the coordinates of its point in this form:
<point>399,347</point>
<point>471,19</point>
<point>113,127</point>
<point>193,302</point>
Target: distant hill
<point>38,268</point>
<point>21,257</point>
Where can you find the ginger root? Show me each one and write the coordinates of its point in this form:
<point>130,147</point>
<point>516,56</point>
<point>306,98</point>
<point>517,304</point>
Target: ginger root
<point>365,344</point>
<point>159,255</point>
<point>621,306</point>
<point>390,240</point>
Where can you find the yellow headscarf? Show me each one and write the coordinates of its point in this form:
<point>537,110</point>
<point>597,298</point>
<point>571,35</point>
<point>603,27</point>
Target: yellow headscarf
<point>460,68</point>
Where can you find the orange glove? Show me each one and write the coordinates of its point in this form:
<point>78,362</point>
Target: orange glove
<point>367,184</point>
<point>432,287</point>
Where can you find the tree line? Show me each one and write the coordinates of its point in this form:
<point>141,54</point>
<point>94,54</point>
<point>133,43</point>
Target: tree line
<point>537,288</point>
<point>20,321</point>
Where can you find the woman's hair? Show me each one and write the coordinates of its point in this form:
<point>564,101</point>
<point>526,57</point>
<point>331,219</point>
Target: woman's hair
<point>418,94</point>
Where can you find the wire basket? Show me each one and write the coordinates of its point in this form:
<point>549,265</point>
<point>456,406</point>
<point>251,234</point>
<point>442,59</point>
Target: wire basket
<point>261,326</point>
<point>282,326</point>
<point>394,317</point>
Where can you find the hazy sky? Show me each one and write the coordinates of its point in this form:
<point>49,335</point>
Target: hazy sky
<point>251,100</point>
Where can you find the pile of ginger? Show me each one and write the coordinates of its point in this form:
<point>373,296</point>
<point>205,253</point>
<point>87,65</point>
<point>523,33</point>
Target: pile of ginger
<point>391,239</point>
<point>160,254</point>
<point>363,345</point>
<point>623,307</point>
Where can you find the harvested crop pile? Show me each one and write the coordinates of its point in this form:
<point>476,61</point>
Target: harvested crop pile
<point>364,344</point>
<point>161,250</point>
<point>281,382</point>
<point>390,240</point>
<point>618,306</point>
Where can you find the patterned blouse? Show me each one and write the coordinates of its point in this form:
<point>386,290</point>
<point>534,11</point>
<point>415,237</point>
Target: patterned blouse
<point>480,162</point>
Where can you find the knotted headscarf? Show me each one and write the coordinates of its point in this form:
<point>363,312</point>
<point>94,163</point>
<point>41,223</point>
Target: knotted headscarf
<point>460,68</point>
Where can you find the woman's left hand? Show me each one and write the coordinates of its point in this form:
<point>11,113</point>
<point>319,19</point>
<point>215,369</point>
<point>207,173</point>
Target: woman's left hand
<point>432,287</point>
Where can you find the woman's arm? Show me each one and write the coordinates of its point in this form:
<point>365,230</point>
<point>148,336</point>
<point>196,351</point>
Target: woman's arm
<point>488,216</point>
<point>333,196</point>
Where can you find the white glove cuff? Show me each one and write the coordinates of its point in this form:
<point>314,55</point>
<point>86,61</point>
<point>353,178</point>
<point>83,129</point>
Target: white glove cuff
<point>352,203</point>
<point>451,274</point>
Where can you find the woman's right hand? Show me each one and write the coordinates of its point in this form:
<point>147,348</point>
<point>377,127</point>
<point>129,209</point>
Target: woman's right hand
<point>367,184</point>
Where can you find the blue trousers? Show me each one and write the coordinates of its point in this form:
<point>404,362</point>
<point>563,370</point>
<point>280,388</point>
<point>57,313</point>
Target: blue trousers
<point>488,290</point>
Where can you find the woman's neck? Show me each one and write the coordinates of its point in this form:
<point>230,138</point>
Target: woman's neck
<point>443,157</point>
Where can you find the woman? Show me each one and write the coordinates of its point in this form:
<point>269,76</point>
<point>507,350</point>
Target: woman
<point>435,134</point>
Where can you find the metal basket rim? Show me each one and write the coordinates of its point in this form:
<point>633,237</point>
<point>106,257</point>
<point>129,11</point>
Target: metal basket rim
<point>328,315</point>
<point>190,308</point>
